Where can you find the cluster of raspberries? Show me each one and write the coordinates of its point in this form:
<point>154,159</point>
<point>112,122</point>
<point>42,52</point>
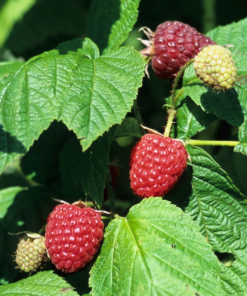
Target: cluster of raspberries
<point>74,232</point>
<point>73,236</point>
<point>172,46</point>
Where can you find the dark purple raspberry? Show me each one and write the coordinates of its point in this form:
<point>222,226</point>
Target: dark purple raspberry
<point>156,164</point>
<point>173,45</point>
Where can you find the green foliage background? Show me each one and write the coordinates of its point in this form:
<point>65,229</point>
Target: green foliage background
<point>37,32</point>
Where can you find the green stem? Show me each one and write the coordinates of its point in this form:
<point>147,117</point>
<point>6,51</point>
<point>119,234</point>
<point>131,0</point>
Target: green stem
<point>212,143</point>
<point>105,218</point>
<point>174,99</point>
<point>29,181</point>
<point>175,85</point>
<point>169,122</point>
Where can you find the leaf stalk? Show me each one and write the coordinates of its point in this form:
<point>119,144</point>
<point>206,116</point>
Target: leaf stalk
<point>212,143</point>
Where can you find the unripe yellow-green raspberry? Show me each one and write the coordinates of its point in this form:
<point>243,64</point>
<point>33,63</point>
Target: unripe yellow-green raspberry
<point>30,253</point>
<point>215,67</point>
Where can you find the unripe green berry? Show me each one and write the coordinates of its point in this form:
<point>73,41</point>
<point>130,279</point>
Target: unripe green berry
<point>215,66</point>
<point>30,253</point>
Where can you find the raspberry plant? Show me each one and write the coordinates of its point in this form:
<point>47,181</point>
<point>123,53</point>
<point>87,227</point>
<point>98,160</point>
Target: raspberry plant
<point>71,112</point>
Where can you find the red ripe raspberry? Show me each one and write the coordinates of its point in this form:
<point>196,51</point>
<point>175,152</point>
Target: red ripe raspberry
<point>73,236</point>
<point>156,164</point>
<point>172,46</point>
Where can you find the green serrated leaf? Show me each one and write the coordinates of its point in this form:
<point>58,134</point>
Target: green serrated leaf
<point>191,119</point>
<point>240,59</point>
<point>129,127</point>
<point>242,135</point>
<point>243,48</point>
<point>155,250</point>
<point>21,210</point>
<point>7,71</point>
<point>234,276</point>
<point>85,48</point>
<point>6,198</point>
<point>89,96</point>
<point>43,283</point>
<point>207,193</point>
<point>234,33</point>
<point>111,22</point>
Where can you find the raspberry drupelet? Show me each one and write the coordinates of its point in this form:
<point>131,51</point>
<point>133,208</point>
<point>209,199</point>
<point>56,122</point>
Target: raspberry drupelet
<point>31,252</point>
<point>73,236</point>
<point>172,46</point>
<point>215,66</point>
<point>156,164</point>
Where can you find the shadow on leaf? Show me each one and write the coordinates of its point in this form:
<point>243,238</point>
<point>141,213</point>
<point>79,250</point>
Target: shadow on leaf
<point>108,12</point>
<point>26,210</point>
<point>9,143</point>
<point>181,193</point>
<point>63,20</point>
<point>224,105</point>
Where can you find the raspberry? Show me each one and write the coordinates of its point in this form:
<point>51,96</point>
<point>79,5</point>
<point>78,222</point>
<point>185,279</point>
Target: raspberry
<point>172,46</point>
<point>156,164</point>
<point>215,66</point>
<point>31,252</point>
<point>73,236</point>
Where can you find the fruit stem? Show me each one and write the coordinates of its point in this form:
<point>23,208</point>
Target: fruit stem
<point>174,99</point>
<point>175,85</point>
<point>106,218</point>
<point>212,143</point>
<point>172,114</point>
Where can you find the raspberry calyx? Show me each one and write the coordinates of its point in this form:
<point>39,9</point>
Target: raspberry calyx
<point>156,164</point>
<point>172,46</point>
<point>73,235</point>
